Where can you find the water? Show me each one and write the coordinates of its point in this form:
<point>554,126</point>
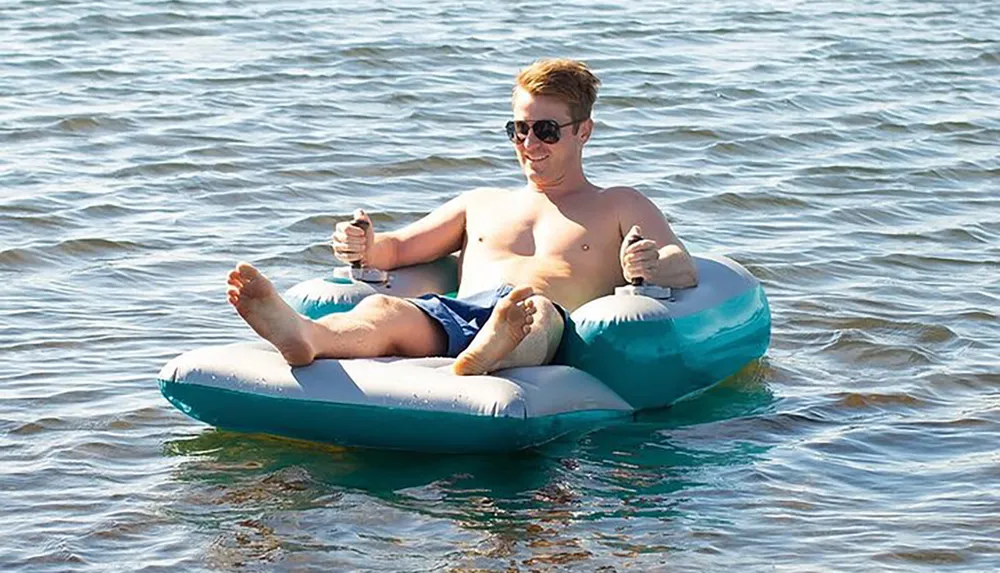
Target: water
<point>845,152</point>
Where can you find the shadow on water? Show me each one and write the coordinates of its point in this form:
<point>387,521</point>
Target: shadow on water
<point>634,469</point>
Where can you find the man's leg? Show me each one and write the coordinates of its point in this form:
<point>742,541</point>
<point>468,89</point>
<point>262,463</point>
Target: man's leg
<point>524,330</point>
<point>378,326</point>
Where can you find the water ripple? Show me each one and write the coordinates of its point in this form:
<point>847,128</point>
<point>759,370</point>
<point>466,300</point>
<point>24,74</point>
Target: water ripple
<point>845,154</point>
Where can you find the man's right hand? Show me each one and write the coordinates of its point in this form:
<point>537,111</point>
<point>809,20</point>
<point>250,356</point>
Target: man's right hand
<point>351,241</point>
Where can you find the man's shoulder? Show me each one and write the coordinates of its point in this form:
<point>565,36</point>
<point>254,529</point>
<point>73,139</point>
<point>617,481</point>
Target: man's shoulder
<point>626,202</point>
<point>624,197</point>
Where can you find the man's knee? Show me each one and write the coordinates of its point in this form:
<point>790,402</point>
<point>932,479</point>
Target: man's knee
<point>373,311</point>
<point>375,303</point>
<point>378,309</point>
<point>370,320</point>
<point>403,328</point>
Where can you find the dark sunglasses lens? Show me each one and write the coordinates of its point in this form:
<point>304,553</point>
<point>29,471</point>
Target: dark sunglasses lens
<point>547,130</point>
<point>518,130</point>
<point>511,133</point>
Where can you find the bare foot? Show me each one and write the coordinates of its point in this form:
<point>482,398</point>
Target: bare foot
<point>259,303</point>
<point>505,329</point>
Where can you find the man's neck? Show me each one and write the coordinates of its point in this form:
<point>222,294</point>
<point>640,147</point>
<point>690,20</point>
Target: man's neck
<point>566,186</point>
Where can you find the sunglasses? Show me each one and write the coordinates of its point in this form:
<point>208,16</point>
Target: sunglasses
<point>547,130</point>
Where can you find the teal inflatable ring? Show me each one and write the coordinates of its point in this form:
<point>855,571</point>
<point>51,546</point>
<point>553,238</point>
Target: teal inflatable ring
<point>622,353</point>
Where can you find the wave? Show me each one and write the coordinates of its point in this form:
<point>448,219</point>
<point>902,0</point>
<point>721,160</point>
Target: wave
<point>90,248</point>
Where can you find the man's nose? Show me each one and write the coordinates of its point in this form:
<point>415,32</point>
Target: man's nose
<point>531,140</point>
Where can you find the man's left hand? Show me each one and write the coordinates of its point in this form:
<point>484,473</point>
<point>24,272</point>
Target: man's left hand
<point>639,259</point>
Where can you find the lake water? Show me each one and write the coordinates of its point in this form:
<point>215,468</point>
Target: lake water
<point>845,152</point>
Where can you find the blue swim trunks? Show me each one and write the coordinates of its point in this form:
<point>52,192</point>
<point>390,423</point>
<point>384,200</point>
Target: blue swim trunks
<point>462,318</point>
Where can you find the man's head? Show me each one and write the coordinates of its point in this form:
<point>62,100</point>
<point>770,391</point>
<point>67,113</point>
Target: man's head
<point>568,81</point>
<point>552,103</point>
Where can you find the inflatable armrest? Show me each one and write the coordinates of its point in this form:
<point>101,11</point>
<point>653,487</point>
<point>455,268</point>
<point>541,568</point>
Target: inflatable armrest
<point>653,352</point>
<point>319,297</point>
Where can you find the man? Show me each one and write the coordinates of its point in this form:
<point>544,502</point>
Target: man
<point>528,255</point>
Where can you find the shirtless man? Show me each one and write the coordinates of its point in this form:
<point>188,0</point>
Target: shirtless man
<point>562,240</point>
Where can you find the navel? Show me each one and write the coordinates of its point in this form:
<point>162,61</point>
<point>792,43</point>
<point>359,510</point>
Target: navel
<point>585,247</point>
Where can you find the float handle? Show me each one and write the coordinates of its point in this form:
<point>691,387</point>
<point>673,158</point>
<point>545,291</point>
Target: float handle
<point>636,281</point>
<point>359,222</point>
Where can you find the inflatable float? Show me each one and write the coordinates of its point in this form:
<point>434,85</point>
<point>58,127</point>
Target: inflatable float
<point>640,348</point>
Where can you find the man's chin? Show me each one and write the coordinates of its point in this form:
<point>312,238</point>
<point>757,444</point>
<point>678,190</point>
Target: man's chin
<point>537,179</point>
<point>533,170</point>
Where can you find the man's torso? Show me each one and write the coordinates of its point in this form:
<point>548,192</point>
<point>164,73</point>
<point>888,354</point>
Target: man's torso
<point>566,248</point>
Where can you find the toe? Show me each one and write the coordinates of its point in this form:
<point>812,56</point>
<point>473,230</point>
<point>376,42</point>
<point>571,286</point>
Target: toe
<point>247,272</point>
<point>520,293</point>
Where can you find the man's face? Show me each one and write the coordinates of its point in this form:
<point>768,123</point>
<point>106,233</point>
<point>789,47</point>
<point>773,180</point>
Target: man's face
<point>546,164</point>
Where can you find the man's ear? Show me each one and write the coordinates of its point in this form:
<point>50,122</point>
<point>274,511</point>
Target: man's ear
<point>586,128</point>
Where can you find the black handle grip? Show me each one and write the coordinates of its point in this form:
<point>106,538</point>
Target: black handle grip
<point>636,281</point>
<point>364,227</point>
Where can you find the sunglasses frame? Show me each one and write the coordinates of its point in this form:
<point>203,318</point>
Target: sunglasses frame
<point>516,136</point>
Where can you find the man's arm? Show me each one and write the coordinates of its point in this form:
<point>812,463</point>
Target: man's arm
<point>439,233</point>
<point>661,258</point>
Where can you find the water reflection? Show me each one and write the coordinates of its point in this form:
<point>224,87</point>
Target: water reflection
<point>551,505</point>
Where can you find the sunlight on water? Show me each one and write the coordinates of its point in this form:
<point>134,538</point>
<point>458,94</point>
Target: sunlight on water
<point>845,153</point>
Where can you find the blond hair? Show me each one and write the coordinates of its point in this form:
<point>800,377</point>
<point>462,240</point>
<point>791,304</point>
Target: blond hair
<point>570,81</point>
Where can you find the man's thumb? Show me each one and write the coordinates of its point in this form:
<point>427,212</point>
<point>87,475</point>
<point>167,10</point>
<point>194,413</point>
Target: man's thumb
<point>635,231</point>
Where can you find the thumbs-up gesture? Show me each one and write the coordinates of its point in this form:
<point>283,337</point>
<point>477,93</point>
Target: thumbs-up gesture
<point>639,257</point>
<point>353,239</point>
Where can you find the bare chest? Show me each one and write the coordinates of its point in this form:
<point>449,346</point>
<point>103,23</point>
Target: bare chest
<point>578,234</point>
